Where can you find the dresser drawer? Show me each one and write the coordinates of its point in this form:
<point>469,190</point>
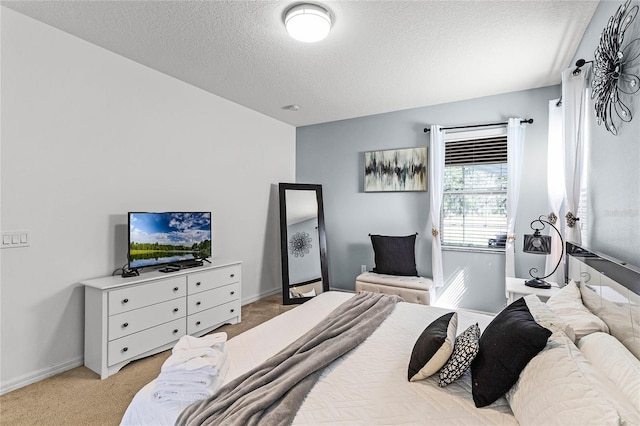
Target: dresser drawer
<point>214,316</point>
<point>209,299</point>
<point>130,322</point>
<point>139,296</point>
<point>203,281</point>
<point>135,344</point>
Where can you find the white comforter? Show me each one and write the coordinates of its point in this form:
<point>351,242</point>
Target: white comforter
<point>367,386</point>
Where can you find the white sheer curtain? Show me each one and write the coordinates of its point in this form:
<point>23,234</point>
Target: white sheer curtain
<point>573,127</point>
<point>555,188</point>
<point>515,147</point>
<point>436,188</point>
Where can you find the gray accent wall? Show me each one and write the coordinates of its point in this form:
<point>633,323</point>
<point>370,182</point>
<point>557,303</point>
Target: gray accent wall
<point>332,154</point>
<point>613,164</point>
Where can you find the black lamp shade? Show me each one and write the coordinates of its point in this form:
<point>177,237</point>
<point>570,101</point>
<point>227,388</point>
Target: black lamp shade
<point>540,244</point>
<point>537,244</point>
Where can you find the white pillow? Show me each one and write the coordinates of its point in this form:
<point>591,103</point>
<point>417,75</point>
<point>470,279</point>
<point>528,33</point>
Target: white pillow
<point>559,386</point>
<point>294,292</point>
<point>623,320</point>
<point>567,304</point>
<point>544,316</point>
<point>310,293</point>
<point>615,361</point>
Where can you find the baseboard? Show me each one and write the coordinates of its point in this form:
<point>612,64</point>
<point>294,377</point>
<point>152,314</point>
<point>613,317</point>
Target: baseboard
<point>44,373</point>
<point>36,376</point>
<point>261,296</point>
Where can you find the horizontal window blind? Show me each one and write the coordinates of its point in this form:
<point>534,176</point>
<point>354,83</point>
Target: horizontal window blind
<point>474,212</point>
<point>479,151</point>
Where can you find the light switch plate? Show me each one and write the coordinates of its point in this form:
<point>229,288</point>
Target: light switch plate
<point>15,239</point>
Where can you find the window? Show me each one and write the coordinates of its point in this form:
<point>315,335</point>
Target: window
<point>474,206</point>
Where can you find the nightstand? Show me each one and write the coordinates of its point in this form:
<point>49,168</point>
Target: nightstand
<point>515,289</point>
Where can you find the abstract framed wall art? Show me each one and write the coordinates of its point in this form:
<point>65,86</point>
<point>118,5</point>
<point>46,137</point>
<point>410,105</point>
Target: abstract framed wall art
<point>395,170</point>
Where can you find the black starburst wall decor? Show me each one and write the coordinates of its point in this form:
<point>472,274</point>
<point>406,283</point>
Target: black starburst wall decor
<point>615,69</point>
<point>299,244</point>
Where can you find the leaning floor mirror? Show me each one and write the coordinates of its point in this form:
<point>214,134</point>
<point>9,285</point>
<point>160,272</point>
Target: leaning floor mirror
<point>303,242</point>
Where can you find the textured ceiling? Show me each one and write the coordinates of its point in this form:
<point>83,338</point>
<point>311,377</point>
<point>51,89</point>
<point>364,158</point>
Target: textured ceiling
<point>380,56</point>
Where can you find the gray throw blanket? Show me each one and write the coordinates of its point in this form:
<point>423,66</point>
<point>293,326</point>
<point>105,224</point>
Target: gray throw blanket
<point>272,393</point>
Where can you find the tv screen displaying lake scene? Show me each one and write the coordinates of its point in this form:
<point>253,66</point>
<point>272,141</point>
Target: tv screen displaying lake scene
<point>162,238</point>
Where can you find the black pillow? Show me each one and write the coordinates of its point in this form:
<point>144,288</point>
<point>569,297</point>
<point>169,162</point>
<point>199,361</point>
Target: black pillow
<point>506,346</point>
<point>395,255</point>
<point>433,348</point>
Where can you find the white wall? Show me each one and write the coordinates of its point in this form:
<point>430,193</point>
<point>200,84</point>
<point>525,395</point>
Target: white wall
<point>88,136</point>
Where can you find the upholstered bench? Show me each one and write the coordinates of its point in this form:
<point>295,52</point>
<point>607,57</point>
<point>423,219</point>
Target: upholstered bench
<point>411,289</point>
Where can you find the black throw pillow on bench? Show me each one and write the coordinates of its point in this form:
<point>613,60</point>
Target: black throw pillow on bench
<point>395,255</point>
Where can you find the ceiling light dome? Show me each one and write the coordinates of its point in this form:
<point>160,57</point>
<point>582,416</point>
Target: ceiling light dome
<point>307,22</point>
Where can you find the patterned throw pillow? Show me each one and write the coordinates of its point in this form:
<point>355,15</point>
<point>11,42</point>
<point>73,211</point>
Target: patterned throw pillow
<point>465,349</point>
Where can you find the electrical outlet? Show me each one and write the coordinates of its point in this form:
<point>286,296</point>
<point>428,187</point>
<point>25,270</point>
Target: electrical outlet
<point>363,268</point>
<point>15,239</point>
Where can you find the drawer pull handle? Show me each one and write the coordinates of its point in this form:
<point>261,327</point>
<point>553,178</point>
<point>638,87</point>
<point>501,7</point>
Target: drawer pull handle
<point>175,289</point>
<point>175,331</point>
<point>126,324</point>
<point>233,310</point>
<point>198,284</point>
<point>125,349</point>
<point>233,292</point>
<point>198,303</point>
<point>125,300</point>
<point>198,323</point>
<point>175,309</point>
<point>232,275</point>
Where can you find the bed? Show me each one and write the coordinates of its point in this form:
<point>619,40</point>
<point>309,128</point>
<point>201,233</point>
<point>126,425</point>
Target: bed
<point>561,383</point>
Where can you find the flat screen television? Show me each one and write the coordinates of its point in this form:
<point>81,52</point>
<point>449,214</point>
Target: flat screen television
<point>168,238</point>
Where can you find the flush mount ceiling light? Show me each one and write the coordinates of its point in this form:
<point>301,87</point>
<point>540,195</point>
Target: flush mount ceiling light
<point>307,22</point>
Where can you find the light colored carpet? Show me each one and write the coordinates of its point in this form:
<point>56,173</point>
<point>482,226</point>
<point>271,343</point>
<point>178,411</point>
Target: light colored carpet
<point>79,397</point>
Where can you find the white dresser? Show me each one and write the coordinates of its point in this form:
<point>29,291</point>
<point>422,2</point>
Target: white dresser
<point>130,318</point>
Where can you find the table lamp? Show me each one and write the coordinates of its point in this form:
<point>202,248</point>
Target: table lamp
<point>537,243</point>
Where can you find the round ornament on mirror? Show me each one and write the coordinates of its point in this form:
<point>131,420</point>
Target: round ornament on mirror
<point>299,244</point>
<point>615,70</point>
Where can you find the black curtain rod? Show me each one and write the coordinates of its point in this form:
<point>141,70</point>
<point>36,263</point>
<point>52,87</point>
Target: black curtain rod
<point>529,120</point>
<point>579,64</point>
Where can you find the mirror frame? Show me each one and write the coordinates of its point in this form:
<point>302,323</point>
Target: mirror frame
<point>284,245</point>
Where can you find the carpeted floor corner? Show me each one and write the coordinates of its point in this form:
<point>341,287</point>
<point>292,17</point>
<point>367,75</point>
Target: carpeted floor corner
<point>79,397</point>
